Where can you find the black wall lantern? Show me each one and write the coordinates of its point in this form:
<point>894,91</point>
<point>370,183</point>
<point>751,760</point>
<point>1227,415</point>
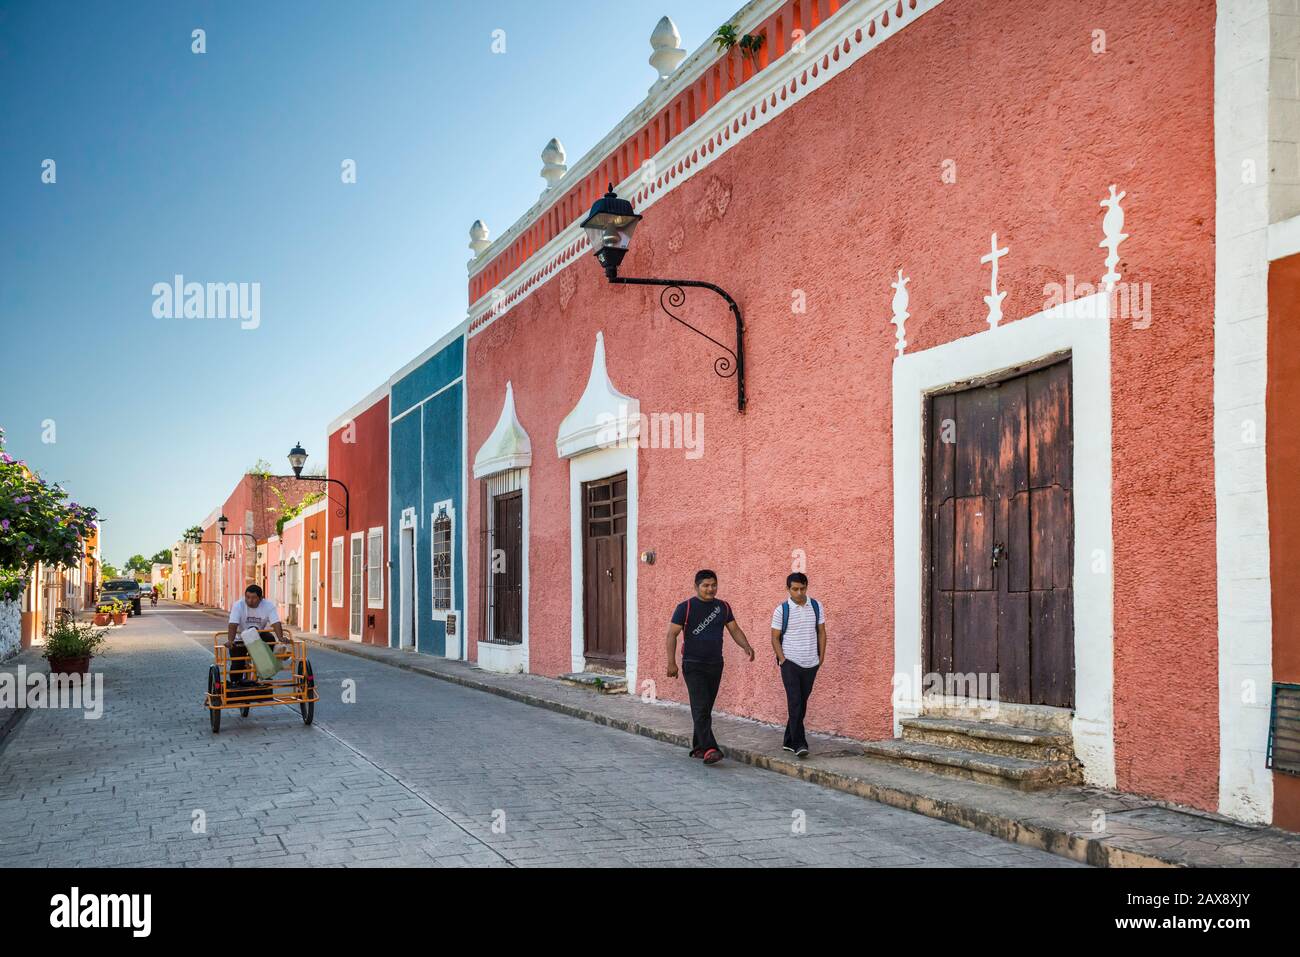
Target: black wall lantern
<point>222,522</point>
<point>297,459</point>
<point>609,227</point>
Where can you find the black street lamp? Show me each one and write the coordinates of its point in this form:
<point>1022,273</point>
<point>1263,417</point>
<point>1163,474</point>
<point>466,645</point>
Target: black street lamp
<point>297,459</point>
<point>222,522</point>
<point>609,227</point>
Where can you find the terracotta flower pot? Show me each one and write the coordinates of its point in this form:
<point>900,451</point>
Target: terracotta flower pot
<point>119,618</point>
<point>70,666</point>
<point>102,619</point>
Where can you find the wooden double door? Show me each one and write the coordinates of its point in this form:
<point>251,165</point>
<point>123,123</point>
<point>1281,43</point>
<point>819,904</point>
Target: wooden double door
<point>604,570</point>
<point>1000,536</point>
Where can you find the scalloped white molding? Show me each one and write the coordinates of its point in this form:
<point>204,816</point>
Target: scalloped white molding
<point>603,417</point>
<point>508,446</point>
<point>836,44</point>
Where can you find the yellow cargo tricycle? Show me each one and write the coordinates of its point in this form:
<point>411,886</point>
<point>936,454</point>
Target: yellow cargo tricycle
<point>233,681</point>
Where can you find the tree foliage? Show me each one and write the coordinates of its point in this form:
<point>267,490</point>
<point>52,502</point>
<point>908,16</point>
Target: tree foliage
<point>38,524</point>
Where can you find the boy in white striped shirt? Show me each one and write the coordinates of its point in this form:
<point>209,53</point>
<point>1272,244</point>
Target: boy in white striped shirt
<point>799,640</point>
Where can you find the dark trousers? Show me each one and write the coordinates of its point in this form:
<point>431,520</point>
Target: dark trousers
<point>798,683</point>
<point>702,682</point>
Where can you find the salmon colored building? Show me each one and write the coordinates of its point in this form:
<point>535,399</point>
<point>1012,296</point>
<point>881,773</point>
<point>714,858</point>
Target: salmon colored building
<point>291,571</point>
<point>1004,303</point>
<point>251,511</point>
<point>357,556</point>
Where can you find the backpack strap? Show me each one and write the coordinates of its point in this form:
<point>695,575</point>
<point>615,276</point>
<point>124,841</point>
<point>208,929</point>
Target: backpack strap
<point>817,613</point>
<point>785,618</point>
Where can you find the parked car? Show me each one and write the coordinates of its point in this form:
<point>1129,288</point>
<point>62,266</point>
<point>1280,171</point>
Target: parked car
<point>124,590</point>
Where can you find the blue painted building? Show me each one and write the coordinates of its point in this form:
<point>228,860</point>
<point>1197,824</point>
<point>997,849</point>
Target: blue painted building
<point>427,492</point>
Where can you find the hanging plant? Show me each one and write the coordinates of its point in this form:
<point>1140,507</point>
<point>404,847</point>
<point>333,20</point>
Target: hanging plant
<point>287,511</point>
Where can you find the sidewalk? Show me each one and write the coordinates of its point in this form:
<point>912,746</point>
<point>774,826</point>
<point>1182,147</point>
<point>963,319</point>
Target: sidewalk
<point>1092,825</point>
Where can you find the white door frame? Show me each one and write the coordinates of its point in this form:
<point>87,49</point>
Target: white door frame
<point>587,467</point>
<point>1081,327</point>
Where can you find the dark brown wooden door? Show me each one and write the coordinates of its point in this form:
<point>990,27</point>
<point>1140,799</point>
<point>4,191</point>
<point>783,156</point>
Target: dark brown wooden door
<point>1001,536</point>
<point>508,567</point>
<point>604,569</point>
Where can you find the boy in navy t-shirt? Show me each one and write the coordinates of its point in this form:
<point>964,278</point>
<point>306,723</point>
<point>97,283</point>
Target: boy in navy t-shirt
<point>701,620</point>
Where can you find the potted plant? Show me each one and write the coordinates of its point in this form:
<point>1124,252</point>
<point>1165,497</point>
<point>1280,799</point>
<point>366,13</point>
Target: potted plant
<point>70,645</point>
<point>103,615</point>
<point>119,611</point>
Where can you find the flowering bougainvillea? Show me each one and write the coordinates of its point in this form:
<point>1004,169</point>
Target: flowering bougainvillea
<point>37,524</point>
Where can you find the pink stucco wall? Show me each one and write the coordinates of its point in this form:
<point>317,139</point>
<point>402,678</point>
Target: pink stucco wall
<point>830,199</point>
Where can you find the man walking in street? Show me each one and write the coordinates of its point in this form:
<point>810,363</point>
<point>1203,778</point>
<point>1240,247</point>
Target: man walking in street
<point>799,640</point>
<point>700,620</point>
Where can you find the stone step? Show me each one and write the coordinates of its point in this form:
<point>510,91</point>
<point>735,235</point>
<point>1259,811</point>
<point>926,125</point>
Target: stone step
<point>1018,773</point>
<point>989,738</point>
<point>606,683</point>
<point>1034,716</point>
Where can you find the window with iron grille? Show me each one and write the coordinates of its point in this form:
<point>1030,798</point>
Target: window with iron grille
<point>442,539</point>
<point>336,572</point>
<point>375,568</point>
<point>357,575</point>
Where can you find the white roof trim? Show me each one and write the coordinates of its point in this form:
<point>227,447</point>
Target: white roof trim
<point>428,353</point>
<point>1284,238</point>
<point>508,447</point>
<point>705,57</point>
<point>720,129</point>
<point>603,417</point>
<point>380,392</point>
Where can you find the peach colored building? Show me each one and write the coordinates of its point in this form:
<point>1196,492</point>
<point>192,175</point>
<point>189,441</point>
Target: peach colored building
<point>997,375</point>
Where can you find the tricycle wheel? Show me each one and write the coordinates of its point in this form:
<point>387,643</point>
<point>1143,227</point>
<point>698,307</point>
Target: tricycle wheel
<point>243,712</point>
<point>306,685</point>
<point>214,713</point>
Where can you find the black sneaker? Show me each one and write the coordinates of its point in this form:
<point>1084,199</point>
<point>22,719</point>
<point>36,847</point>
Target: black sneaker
<point>786,747</point>
<point>802,752</point>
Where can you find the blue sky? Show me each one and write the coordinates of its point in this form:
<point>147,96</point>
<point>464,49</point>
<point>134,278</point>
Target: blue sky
<point>225,167</point>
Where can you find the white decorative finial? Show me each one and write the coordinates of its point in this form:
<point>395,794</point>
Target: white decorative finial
<point>553,168</point>
<point>668,52</point>
<point>994,298</point>
<point>900,310</point>
<point>1112,224</point>
<point>478,237</point>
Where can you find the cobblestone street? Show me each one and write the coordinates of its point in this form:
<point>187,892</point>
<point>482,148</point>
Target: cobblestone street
<point>416,772</point>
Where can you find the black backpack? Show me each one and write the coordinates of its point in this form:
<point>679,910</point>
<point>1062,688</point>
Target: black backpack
<point>785,616</point>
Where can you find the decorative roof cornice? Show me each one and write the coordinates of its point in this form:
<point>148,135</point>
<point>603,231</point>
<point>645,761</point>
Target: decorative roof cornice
<point>835,45</point>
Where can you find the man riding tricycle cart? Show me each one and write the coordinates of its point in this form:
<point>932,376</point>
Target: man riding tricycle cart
<point>249,667</point>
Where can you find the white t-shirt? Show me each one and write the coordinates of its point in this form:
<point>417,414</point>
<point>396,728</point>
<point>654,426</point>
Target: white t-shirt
<point>800,642</point>
<point>262,617</point>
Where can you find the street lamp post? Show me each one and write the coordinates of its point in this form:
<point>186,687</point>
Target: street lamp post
<point>609,227</point>
<point>297,459</point>
<point>221,525</point>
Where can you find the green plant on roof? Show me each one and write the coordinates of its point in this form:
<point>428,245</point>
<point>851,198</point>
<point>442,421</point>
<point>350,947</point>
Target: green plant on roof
<point>728,36</point>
